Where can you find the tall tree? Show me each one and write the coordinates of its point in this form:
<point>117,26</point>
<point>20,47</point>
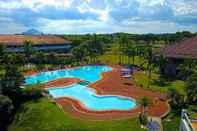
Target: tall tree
<point>28,50</point>
<point>2,53</point>
<point>144,102</point>
<point>123,45</point>
<point>187,68</point>
<point>6,108</point>
<point>191,88</point>
<point>80,52</point>
<point>149,66</point>
<point>12,79</point>
<point>131,51</point>
<point>177,100</point>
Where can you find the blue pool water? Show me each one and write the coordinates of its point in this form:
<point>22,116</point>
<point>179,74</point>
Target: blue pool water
<point>81,92</point>
<point>86,73</point>
<point>91,100</point>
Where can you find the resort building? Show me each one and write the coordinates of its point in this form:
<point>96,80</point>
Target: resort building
<point>14,43</point>
<point>187,123</point>
<point>177,53</point>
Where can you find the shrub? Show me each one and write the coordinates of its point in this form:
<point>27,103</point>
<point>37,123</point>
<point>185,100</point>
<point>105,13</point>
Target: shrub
<point>32,92</point>
<point>6,108</point>
<point>143,119</point>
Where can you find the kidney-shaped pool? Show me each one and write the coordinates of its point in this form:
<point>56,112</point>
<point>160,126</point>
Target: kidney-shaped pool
<point>81,92</point>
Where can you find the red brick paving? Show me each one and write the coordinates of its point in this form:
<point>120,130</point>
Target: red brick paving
<point>61,82</point>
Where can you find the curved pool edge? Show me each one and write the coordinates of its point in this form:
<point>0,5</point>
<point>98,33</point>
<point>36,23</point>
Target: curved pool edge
<point>70,68</point>
<point>97,95</point>
<point>92,85</point>
<point>81,108</point>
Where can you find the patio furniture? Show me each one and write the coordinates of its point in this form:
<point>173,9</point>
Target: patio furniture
<point>126,72</point>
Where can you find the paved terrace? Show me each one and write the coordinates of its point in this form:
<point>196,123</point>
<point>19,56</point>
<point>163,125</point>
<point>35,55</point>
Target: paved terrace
<point>112,84</point>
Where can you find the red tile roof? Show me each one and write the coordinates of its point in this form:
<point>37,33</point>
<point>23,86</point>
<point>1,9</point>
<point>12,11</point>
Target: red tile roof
<point>184,49</point>
<point>43,39</point>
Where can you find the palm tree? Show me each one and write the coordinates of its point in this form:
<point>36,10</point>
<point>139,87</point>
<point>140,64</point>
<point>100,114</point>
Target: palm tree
<point>172,94</point>
<point>131,51</point>
<point>120,52</point>
<point>187,68</point>
<point>2,52</point>
<point>123,49</point>
<point>177,100</point>
<point>28,50</point>
<point>149,66</point>
<point>144,102</point>
<point>80,52</point>
<point>191,88</point>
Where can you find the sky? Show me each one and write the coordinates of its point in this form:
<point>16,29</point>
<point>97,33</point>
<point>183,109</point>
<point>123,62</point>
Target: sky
<point>98,16</point>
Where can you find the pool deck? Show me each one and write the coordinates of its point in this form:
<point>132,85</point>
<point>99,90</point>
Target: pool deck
<point>61,82</point>
<point>111,83</point>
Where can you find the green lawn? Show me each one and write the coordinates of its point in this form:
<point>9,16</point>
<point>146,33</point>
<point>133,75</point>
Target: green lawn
<point>157,83</point>
<point>114,59</point>
<point>171,122</point>
<point>42,115</point>
<point>192,111</point>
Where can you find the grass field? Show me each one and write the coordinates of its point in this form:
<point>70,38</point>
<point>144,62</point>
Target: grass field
<point>42,115</point>
<point>157,83</point>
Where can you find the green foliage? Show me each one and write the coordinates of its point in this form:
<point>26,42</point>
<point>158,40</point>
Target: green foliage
<point>144,102</point>
<point>187,68</point>
<point>88,50</point>
<point>171,122</point>
<point>34,91</point>
<point>80,52</point>
<point>192,111</point>
<point>10,83</point>
<point>191,88</point>
<point>12,78</point>
<point>143,119</point>
<point>28,49</point>
<point>177,100</point>
<point>158,82</point>
<point>6,108</point>
<point>40,67</point>
<point>2,53</point>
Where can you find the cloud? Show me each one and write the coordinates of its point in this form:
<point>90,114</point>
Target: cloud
<point>34,5</point>
<point>83,16</point>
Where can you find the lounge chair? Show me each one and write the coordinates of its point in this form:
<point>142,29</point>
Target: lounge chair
<point>126,76</point>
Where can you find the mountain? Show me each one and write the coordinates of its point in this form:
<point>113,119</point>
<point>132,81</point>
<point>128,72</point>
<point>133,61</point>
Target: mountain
<point>32,32</point>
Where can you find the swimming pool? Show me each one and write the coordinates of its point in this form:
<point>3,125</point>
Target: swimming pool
<point>86,73</point>
<point>81,92</point>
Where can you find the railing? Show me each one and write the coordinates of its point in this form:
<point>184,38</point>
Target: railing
<point>186,121</point>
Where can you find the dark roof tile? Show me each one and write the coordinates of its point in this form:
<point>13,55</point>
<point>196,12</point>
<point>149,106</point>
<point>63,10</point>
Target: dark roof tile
<point>184,49</point>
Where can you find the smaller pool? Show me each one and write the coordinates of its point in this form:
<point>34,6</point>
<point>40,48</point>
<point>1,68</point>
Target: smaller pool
<point>88,98</point>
